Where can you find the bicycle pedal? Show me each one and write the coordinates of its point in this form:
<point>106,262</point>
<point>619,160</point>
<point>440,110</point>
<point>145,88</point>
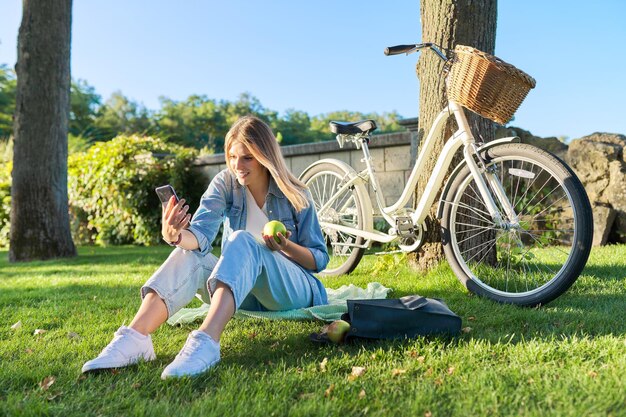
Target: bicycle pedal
<point>404,224</point>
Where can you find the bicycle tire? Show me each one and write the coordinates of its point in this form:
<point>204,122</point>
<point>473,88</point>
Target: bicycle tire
<point>345,250</point>
<point>536,260</point>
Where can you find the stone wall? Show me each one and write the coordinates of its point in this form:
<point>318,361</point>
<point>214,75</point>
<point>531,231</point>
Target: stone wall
<point>599,161</point>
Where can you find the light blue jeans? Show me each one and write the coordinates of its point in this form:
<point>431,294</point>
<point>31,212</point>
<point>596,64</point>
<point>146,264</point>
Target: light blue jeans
<point>260,279</point>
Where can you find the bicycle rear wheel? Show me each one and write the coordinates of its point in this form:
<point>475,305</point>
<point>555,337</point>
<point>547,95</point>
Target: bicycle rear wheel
<point>346,208</point>
<point>529,260</point>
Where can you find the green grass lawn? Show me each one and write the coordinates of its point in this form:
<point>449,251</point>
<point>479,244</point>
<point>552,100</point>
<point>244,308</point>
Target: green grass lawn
<point>565,359</point>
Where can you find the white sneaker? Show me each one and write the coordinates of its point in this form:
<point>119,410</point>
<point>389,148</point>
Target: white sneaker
<point>127,347</point>
<point>199,354</point>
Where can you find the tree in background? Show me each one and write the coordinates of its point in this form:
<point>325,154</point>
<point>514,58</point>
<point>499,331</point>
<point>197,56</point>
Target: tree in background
<point>84,104</point>
<point>40,227</point>
<point>119,115</point>
<point>448,23</point>
<point>197,122</point>
<point>386,122</point>
<point>294,127</point>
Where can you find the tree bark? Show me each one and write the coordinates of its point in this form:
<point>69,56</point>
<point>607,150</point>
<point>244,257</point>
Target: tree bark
<point>40,227</point>
<point>447,23</point>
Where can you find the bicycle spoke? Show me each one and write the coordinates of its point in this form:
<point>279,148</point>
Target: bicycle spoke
<point>538,191</point>
<point>477,247</point>
<point>542,211</point>
<point>476,211</point>
<point>538,237</point>
<point>473,236</point>
<point>474,226</point>
<point>519,179</point>
<point>529,187</point>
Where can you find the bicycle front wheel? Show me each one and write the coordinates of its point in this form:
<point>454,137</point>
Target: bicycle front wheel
<point>345,208</point>
<point>539,250</point>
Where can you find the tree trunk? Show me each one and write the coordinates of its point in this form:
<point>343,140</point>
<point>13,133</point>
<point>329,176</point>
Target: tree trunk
<point>447,23</point>
<point>40,227</point>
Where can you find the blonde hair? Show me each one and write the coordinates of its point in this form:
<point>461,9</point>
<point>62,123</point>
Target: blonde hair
<point>258,137</point>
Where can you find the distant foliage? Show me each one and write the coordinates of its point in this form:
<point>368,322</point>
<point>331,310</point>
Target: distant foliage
<point>199,121</point>
<point>111,188</point>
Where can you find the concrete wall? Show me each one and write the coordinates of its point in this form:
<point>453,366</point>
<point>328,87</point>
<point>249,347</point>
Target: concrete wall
<point>391,157</point>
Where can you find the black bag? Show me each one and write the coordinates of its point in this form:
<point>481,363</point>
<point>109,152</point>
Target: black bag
<point>397,318</point>
<point>404,317</point>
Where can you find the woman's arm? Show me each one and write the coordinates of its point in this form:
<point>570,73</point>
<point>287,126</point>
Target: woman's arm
<point>310,235</point>
<point>310,250</point>
<point>174,222</point>
<point>206,221</point>
<point>199,233</point>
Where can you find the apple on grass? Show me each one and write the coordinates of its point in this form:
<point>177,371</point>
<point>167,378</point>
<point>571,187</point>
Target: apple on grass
<point>337,331</point>
<point>272,228</point>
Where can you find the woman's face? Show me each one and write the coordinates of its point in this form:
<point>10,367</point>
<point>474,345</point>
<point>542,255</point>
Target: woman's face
<point>247,169</point>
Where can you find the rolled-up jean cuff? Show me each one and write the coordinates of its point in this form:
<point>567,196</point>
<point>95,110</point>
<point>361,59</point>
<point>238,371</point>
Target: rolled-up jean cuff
<point>170,309</point>
<point>212,283</point>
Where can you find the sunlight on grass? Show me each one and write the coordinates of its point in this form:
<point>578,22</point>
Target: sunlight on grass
<point>509,361</point>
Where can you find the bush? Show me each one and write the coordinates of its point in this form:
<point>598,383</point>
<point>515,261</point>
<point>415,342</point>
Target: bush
<point>6,165</point>
<point>111,188</point>
<point>5,211</point>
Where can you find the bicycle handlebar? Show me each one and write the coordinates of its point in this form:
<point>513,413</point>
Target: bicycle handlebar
<point>398,49</point>
<point>408,49</point>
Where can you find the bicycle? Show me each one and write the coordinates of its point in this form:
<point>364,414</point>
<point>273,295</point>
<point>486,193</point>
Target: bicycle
<point>516,222</point>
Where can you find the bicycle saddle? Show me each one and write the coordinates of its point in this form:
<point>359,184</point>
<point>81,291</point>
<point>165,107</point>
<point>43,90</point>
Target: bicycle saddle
<point>352,128</point>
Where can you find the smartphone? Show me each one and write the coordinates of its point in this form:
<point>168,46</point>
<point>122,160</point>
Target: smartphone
<point>165,192</point>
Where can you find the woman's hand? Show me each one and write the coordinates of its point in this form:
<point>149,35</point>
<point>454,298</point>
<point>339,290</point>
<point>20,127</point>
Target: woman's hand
<point>294,251</point>
<point>271,243</point>
<point>175,219</point>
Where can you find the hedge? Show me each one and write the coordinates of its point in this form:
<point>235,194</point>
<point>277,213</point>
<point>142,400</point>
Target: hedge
<point>111,188</point>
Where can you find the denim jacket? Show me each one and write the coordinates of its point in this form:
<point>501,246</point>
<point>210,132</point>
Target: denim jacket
<point>224,202</point>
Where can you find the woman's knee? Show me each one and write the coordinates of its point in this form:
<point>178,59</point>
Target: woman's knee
<point>180,270</point>
<point>242,239</point>
<point>238,235</point>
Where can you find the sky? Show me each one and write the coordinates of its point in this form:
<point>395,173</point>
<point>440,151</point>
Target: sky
<point>321,56</point>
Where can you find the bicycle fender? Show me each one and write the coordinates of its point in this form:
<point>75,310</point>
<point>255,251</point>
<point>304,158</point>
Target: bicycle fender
<point>460,166</point>
<point>347,168</point>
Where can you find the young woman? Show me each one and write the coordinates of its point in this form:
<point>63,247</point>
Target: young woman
<point>254,272</point>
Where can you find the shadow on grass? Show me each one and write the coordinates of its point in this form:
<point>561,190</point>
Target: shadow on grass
<point>91,256</point>
<point>72,294</point>
<point>607,272</point>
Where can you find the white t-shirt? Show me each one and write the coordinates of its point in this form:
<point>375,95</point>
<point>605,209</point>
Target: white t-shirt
<point>256,217</point>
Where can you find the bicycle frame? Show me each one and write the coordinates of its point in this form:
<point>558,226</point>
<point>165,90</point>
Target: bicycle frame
<point>461,138</point>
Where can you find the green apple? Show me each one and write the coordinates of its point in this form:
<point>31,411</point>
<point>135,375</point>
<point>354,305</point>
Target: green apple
<point>272,228</point>
<point>337,331</point>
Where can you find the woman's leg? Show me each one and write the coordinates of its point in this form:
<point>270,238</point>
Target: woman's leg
<point>249,268</point>
<point>246,267</point>
<point>151,314</point>
<point>221,310</point>
<point>202,348</point>
<point>174,284</point>
<point>169,289</point>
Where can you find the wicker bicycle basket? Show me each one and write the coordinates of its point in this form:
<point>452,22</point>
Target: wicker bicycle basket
<point>487,85</point>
